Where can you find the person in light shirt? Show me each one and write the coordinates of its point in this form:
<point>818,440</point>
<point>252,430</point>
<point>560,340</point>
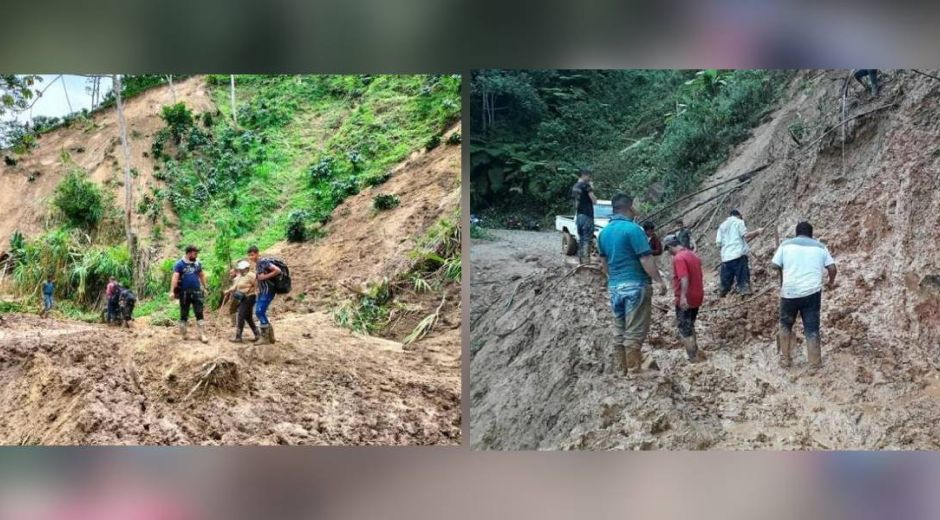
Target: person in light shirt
<point>732,240</point>
<point>802,262</point>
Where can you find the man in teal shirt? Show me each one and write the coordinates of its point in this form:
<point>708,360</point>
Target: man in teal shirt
<point>627,261</point>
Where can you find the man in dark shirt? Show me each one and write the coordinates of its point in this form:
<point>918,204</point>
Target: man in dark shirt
<point>656,247</point>
<point>265,270</point>
<point>48,289</point>
<point>190,279</point>
<point>684,236</point>
<point>584,199</point>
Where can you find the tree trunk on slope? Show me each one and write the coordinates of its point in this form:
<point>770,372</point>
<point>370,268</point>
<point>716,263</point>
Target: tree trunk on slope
<point>128,182</point>
<point>234,114</point>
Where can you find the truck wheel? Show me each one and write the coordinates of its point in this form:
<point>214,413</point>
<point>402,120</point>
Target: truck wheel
<point>569,244</point>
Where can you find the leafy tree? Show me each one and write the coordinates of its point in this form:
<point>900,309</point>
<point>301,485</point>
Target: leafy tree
<point>79,199</point>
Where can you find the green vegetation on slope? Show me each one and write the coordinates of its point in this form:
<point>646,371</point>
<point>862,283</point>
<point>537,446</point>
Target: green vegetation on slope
<point>653,133</point>
<point>302,144</point>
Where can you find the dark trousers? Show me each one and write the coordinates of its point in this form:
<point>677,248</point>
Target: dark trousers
<point>113,311</point>
<point>872,79</point>
<point>735,271</point>
<point>808,307</point>
<point>585,234</point>
<point>685,321</point>
<point>245,308</point>
<point>191,298</point>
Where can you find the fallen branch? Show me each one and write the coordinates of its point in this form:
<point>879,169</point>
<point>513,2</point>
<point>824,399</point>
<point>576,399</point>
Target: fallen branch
<point>706,201</point>
<point>844,121</point>
<point>689,196</point>
<point>925,74</point>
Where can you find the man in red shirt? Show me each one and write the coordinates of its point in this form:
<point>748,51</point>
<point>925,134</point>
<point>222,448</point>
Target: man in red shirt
<point>690,292</point>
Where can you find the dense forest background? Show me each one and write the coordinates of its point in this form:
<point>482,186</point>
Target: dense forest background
<point>652,133</point>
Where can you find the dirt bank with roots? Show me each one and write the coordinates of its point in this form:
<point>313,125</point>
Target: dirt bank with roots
<point>64,382</point>
<point>541,332</point>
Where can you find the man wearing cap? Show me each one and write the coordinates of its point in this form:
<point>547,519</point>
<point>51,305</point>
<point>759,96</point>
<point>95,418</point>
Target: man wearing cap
<point>732,239</point>
<point>688,284</point>
<point>584,199</point>
<point>243,290</point>
<point>802,262</point>
<point>189,280</point>
<point>627,261</point>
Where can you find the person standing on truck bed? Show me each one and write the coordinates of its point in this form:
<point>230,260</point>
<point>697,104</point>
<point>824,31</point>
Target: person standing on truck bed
<point>801,262</point>
<point>732,239</point>
<point>265,270</point>
<point>584,199</point>
<point>626,260</point>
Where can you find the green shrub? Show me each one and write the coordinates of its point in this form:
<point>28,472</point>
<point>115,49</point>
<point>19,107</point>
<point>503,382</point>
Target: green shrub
<point>322,170</point>
<point>80,200</point>
<point>376,179</point>
<point>453,138</point>
<point>383,202</point>
<point>432,142</point>
<point>368,313</point>
<point>297,226</point>
<point>178,118</point>
<point>207,119</point>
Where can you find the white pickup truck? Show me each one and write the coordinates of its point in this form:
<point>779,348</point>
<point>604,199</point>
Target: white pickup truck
<point>569,231</point>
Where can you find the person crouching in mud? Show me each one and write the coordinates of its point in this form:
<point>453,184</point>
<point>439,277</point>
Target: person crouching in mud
<point>626,259</point>
<point>190,280</point>
<point>265,270</point>
<point>243,290</point>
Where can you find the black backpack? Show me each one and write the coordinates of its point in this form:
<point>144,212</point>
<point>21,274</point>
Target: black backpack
<point>280,284</point>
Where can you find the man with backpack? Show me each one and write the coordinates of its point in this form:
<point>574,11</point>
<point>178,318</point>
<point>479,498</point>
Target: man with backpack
<point>268,275</point>
<point>126,302</point>
<point>187,284</point>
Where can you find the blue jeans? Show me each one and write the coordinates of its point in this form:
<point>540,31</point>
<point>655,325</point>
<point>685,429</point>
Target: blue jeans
<point>733,271</point>
<point>261,307</point>
<point>46,302</point>
<point>585,226</point>
<point>632,305</point>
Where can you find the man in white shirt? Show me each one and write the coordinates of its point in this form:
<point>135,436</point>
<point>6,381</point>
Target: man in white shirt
<point>732,239</point>
<point>802,262</point>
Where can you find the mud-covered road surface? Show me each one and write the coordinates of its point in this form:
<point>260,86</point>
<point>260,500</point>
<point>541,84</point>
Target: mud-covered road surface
<point>541,374</point>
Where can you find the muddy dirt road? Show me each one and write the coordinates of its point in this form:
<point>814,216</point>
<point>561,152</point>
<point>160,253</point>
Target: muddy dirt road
<point>541,376</point>
<point>72,383</point>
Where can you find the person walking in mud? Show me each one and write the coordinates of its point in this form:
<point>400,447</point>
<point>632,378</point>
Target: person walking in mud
<point>48,289</point>
<point>802,262</point>
<point>127,300</point>
<point>109,292</point>
<point>872,75</point>
<point>688,284</point>
<point>656,247</point>
<point>244,290</point>
<point>732,240</point>
<point>627,261</point>
<point>265,270</point>
<point>684,235</point>
<point>188,283</point>
<point>584,199</point>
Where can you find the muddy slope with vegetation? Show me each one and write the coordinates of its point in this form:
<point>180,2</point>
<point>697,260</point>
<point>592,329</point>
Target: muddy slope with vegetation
<point>541,374</point>
<point>331,173</point>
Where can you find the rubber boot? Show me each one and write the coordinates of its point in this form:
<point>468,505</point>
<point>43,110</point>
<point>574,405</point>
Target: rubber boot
<point>182,329</point>
<point>202,331</point>
<point>691,350</point>
<point>238,337</point>
<point>263,340</point>
<point>271,334</point>
<point>784,344</point>
<point>632,359</point>
<point>813,353</point>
